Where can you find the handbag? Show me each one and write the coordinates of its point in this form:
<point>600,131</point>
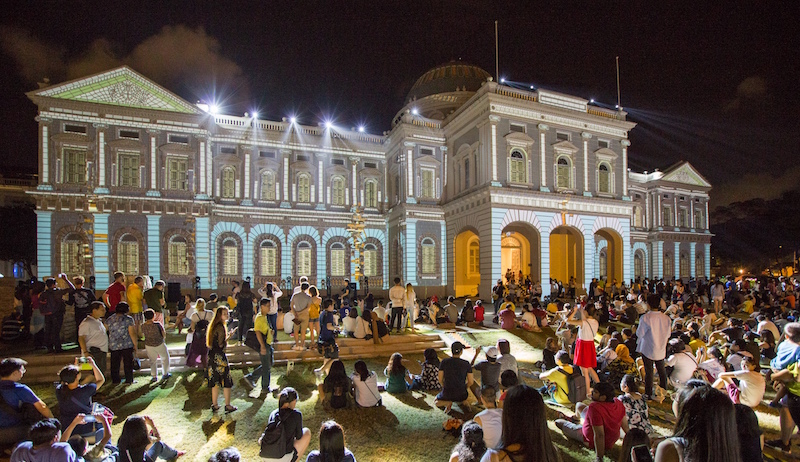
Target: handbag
<point>251,340</point>
<point>137,363</point>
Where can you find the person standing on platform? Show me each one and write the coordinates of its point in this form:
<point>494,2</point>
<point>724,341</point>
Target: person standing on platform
<point>51,305</point>
<point>154,299</point>
<point>81,299</point>
<point>93,335</point>
<point>115,293</point>
<point>135,296</point>
<point>397,295</point>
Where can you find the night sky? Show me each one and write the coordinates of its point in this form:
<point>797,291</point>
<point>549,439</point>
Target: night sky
<point>712,83</point>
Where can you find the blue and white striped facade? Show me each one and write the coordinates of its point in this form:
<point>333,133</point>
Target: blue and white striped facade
<point>462,155</point>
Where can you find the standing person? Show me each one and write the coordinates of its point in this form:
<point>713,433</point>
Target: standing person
<point>93,335</point>
<point>262,329</point>
<point>602,421</point>
<point>313,313</point>
<point>115,293</point>
<point>299,304</point>
<point>74,398</point>
<point>525,435</point>
<point>273,293</point>
<point>409,303</point>
<point>347,294</point>
<point>219,372</point>
<point>13,428</point>
<point>397,296</point>
<point>331,445</point>
<point>498,292</point>
<point>154,299</point>
<point>585,355</point>
<point>51,305</point>
<point>244,305</point>
<point>134,294</point>
<point>295,437</point>
<point>155,344</point>
<point>705,430</point>
<point>455,375</point>
<point>326,344</point>
<point>122,340</point>
<point>81,299</point>
<point>653,334</point>
<point>198,349</point>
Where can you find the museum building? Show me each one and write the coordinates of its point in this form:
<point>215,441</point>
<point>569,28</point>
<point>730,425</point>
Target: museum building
<point>474,178</point>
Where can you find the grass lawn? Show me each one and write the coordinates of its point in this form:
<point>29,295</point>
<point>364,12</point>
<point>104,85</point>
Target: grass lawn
<point>408,427</point>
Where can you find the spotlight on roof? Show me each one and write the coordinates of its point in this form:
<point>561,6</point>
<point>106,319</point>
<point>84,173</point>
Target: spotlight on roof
<point>531,87</point>
<point>328,124</point>
<point>214,109</point>
<point>293,119</point>
<point>255,115</point>
<point>414,111</point>
<point>616,106</point>
<point>502,80</point>
<point>592,101</point>
<point>361,128</point>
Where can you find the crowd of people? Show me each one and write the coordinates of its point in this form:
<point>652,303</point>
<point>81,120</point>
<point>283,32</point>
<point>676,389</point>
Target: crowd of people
<point>719,344</point>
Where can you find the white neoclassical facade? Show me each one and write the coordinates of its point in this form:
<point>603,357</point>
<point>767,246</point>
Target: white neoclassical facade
<point>474,178</point>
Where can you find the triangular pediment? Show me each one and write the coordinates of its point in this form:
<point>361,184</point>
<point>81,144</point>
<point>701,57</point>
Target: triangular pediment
<point>119,87</point>
<point>565,146</point>
<point>686,174</point>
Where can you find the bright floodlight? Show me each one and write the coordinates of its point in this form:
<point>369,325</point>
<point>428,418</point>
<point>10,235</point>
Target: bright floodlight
<point>414,111</point>
<point>592,101</point>
<point>293,119</point>
<point>531,87</point>
<point>616,106</point>
<point>255,115</point>
<point>213,109</point>
<point>361,128</point>
<point>502,80</point>
<point>328,124</point>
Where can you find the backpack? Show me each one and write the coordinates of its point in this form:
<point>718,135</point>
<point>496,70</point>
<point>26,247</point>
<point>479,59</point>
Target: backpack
<point>382,329</point>
<point>273,441</point>
<point>201,326</point>
<point>576,385</point>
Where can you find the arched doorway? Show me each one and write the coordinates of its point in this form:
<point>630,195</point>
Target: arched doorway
<point>467,264</point>
<point>612,267</point>
<point>566,255</point>
<point>520,251</point>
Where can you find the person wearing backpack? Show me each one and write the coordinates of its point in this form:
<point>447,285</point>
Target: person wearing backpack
<point>51,305</point>
<point>198,350</point>
<point>262,328</point>
<point>81,299</point>
<point>598,424</point>
<point>285,439</point>
<point>556,379</point>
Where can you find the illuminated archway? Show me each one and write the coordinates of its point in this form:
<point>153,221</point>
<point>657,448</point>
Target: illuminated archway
<point>467,264</point>
<point>613,250</point>
<point>520,250</point>
<point>566,254</point>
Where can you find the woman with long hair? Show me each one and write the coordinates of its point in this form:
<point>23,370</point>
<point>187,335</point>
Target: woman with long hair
<point>398,376</point>
<point>526,437</point>
<point>337,385</point>
<point>428,379</point>
<point>294,437</point>
<point>410,304</point>
<point>245,301</point>
<point>471,447</point>
<point>365,386</point>
<point>331,445</point>
<point>705,430</point>
<point>273,293</point>
<point>198,350</point>
<point>140,442</point>
<point>219,372</point>
<point>634,438</point>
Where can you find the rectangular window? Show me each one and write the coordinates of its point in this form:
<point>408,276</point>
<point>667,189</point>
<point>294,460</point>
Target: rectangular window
<point>370,165</point>
<point>225,150</point>
<point>337,262</point>
<point>266,154</point>
<point>428,184</point>
<point>268,261</point>
<point>301,158</point>
<point>129,170</point>
<point>178,263</point>
<point>474,259</point>
<point>682,216</point>
<point>337,161</point>
<point>179,139</point>
<point>74,166</point>
<point>562,136</point>
<point>517,128</point>
<point>370,263</point>
<point>602,144</point>
<point>129,134</point>
<point>72,128</point>
<point>304,262</point>
<point>428,259</point>
<point>230,260</point>
<point>71,257</point>
<point>666,217</point>
<point>698,220</point>
<point>426,151</point>
<point>176,174</point>
<point>129,257</point>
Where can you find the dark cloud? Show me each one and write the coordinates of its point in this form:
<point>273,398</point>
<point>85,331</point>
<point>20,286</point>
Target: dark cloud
<point>751,90</point>
<point>762,185</point>
<point>35,59</point>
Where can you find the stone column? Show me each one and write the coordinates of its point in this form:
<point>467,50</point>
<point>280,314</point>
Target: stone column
<point>543,156</point>
<point>154,246</point>
<point>586,136</point>
<point>493,119</point>
<point>202,252</point>
<point>101,159</point>
<point>625,144</point>
<point>44,244</point>
<point>246,181</point>
<point>44,156</point>
<point>102,262</point>
<point>693,259</point>
<point>410,250</point>
<point>154,189</point>
<point>676,260</point>
<point>409,151</point>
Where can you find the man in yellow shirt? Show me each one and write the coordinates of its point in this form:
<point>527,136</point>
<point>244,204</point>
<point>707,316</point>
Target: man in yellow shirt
<point>135,294</point>
<point>262,330</point>
<point>557,378</point>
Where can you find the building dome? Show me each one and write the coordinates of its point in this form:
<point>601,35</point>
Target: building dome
<point>447,78</point>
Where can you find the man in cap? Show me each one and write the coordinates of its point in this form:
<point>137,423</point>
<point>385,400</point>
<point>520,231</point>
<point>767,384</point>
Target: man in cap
<point>455,375</point>
<point>489,369</point>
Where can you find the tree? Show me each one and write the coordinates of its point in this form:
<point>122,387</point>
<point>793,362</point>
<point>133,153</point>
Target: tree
<point>18,236</point>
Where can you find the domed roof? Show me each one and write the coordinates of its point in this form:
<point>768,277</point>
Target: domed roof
<point>447,78</point>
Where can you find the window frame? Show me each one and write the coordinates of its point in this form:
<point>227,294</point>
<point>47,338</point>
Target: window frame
<point>267,185</point>
<point>267,257</point>
<point>74,168</point>
<point>230,257</point>
<point>177,258</point>
<point>428,256</point>
<point>227,182</point>
<point>177,178</point>
<point>517,167</point>
<point>127,261</point>
<point>303,185</point>
<point>338,188</point>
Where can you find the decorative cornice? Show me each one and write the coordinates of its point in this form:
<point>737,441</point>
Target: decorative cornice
<point>543,127</point>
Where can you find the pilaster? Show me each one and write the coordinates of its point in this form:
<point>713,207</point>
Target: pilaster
<point>543,156</point>
<point>101,160</point>
<point>154,246</point>
<point>102,263</point>
<point>586,136</point>
<point>44,244</point>
<point>202,246</point>
<point>410,250</point>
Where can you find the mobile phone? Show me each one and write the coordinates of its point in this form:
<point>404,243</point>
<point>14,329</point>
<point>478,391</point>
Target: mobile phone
<point>84,364</point>
<point>641,454</point>
<point>89,418</point>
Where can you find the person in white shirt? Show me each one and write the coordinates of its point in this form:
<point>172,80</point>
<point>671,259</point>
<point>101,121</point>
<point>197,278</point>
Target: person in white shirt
<point>272,293</point>
<point>682,362</point>
<point>653,334</point>
<point>365,386</point>
<point>766,324</point>
<point>397,295</point>
<point>93,335</point>
<point>751,387</point>
<point>738,353</point>
<point>491,418</point>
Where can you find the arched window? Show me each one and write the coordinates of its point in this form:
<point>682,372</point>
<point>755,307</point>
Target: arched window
<point>603,264</point>
<point>371,193</point>
<point>228,182</point>
<point>474,257</point>
<point>684,265</point>
<point>466,174</point>
<point>516,170</point>
<point>304,187</point>
<point>230,257</point>
<point>268,254</point>
<point>428,256</point>
<point>337,190</point>
<point>563,173</point>
<point>178,261</point>
<point>604,179</point>
<point>303,259</point>
<point>128,255</point>
<point>72,254</point>
<point>638,265</point>
<point>370,260</point>
<point>338,259</point>
<point>268,186</point>
<point>669,266</point>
